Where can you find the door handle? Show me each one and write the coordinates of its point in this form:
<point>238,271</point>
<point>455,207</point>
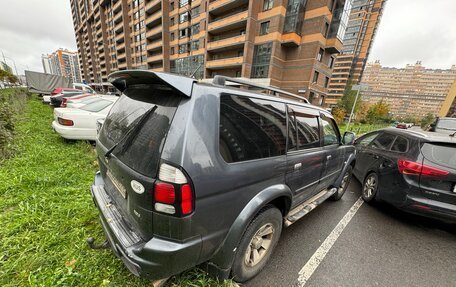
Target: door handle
<point>328,157</point>
<point>297,166</point>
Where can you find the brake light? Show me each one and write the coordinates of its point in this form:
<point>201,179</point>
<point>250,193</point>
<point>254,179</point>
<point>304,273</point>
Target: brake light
<point>414,168</point>
<point>172,192</point>
<point>65,122</point>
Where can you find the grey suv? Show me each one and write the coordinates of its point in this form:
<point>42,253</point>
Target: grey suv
<point>194,173</point>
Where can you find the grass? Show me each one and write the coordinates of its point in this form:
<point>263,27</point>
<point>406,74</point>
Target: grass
<point>46,213</point>
<point>360,129</point>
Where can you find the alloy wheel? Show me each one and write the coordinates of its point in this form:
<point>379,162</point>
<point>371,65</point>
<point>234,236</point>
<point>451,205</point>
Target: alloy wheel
<point>259,245</point>
<point>370,186</point>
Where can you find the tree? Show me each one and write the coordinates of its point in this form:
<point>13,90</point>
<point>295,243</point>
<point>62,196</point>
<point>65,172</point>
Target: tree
<point>427,121</point>
<point>6,76</point>
<point>378,112</point>
<point>361,113</point>
<point>338,114</point>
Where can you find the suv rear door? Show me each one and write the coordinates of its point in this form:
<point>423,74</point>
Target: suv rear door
<point>305,156</point>
<point>442,185</point>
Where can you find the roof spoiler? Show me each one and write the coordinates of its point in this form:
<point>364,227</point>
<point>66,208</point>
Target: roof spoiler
<point>123,79</point>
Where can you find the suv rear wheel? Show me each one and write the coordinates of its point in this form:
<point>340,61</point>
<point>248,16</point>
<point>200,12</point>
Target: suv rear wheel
<point>343,185</point>
<point>257,244</point>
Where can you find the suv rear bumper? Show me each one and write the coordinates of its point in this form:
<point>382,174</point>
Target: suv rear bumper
<point>154,259</point>
<point>430,208</point>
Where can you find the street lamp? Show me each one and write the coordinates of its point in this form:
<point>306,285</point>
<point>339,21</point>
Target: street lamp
<point>355,88</point>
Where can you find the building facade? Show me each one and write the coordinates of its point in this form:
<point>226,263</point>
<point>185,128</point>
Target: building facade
<point>410,91</point>
<point>63,63</point>
<point>365,17</point>
<point>290,44</point>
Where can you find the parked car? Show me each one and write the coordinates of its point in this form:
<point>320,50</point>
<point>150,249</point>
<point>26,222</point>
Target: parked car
<point>56,100</point>
<point>195,173</point>
<point>74,98</point>
<point>47,98</point>
<point>77,103</point>
<point>444,125</point>
<point>409,125</point>
<point>80,124</point>
<point>402,126</point>
<point>410,170</point>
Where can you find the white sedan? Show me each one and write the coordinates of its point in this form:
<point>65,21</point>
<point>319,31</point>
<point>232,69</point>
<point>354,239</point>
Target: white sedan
<point>78,103</point>
<point>81,124</point>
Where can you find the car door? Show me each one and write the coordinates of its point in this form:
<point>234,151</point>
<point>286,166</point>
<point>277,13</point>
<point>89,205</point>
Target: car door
<point>362,157</point>
<point>305,156</point>
<point>376,153</point>
<point>333,152</point>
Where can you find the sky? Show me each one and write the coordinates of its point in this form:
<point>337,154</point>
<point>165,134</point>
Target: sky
<point>410,30</point>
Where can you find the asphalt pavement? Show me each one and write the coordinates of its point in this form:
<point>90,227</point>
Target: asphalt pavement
<point>378,246</point>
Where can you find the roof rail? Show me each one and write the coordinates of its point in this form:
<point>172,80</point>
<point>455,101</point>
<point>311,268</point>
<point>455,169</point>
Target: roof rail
<point>221,80</point>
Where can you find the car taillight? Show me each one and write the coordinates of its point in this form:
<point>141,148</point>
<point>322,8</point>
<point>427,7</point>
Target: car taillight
<point>172,192</point>
<point>414,168</point>
<point>65,122</point>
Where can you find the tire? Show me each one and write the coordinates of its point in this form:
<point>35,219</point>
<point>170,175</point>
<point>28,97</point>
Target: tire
<point>344,184</point>
<point>370,186</point>
<point>244,266</point>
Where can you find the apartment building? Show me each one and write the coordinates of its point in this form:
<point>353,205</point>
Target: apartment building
<point>290,44</point>
<point>63,63</point>
<point>364,19</point>
<point>410,91</point>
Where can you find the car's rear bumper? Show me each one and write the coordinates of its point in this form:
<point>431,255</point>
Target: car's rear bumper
<point>430,208</point>
<point>73,133</point>
<point>155,259</point>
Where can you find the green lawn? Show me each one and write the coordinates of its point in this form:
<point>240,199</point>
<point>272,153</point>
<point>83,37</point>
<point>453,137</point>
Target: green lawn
<point>360,129</point>
<point>46,213</point>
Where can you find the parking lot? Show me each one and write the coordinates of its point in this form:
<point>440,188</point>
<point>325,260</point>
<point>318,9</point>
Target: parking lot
<point>380,246</point>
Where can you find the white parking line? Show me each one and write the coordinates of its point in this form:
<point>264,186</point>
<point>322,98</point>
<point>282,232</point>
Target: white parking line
<point>319,255</point>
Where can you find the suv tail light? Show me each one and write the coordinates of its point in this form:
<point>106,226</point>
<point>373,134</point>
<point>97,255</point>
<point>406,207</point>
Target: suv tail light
<point>65,122</point>
<point>414,168</point>
<point>172,192</point>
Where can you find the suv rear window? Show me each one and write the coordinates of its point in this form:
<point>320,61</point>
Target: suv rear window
<point>449,124</point>
<point>140,150</point>
<point>442,154</point>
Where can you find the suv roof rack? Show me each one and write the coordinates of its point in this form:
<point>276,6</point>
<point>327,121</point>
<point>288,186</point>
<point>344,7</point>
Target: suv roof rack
<point>221,80</point>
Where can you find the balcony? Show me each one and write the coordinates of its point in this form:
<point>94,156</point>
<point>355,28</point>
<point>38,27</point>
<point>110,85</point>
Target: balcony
<point>290,40</point>
<point>154,19</point>
<point>119,27</point>
<point>152,6</point>
<point>121,56</point>
<point>117,17</point>
<point>119,38</point>
<point>237,41</point>
<point>155,58</point>
<point>334,45</point>
<point>224,63</point>
<point>231,22</point>
<point>121,46</point>
<point>156,45</point>
<point>218,7</point>
<point>122,65</point>
<point>154,33</point>
<point>117,6</point>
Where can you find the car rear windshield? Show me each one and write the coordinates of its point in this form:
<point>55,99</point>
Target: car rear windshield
<point>96,106</point>
<point>447,124</point>
<point>140,150</point>
<point>442,154</point>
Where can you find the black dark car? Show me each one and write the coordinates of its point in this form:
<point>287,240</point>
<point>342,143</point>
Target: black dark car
<point>411,170</point>
<point>56,100</point>
<point>194,173</point>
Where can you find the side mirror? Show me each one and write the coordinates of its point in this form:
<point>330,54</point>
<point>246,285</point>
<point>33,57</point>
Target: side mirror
<point>348,138</point>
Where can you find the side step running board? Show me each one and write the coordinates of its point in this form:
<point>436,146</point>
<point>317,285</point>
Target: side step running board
<point>306,207</point>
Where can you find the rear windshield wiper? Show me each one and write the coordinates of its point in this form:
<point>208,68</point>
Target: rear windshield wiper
<point>131,130</point>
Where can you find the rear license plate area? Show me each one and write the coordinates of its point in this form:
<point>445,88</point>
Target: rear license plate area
<point>120,188</point>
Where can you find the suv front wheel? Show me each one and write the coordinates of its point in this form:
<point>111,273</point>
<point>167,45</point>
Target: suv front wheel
<point>257,244</point>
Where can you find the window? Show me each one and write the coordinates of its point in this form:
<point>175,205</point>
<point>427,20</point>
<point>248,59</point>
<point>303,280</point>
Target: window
<point>171,22</point>
<point>366,140</point>
<point>384,141</point>
<point>172,37</point>
<point>294,16</point>
<point>183,48</point>
<point>251,128</point>
<point>320,54</point>
<point>331,62</point>
<point>264,28</point>
<point>400,144</point>
<point>303,130</point>
<point>440,153</point>
<point>242,32</point>
<point>267,4</point>
<point>183,33</point>
<point>96,106</point>
<point>326,82</point>
<point>238,73</point>
<point>195,12</point>
<point>194,45</point>
<point>195,29</point>
<point>171,6</point>
<point>172,51</point>
<point>315,77</point>
<point>261,59</point>
<point>183,17</point>
<point>330,132</point>
<point>182,3</point>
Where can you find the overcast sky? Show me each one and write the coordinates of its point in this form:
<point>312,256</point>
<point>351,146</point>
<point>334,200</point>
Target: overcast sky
<point>410,30</point>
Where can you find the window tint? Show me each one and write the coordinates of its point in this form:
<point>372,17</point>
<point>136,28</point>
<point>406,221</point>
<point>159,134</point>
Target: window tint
<point>303,129</point>
<point>96,106</point>
<point>330,135</point>
<point>400,144</point>
<point>440,154</point>
<point>367,139</point>
<point>384,141</point>
<point>251,128</point>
